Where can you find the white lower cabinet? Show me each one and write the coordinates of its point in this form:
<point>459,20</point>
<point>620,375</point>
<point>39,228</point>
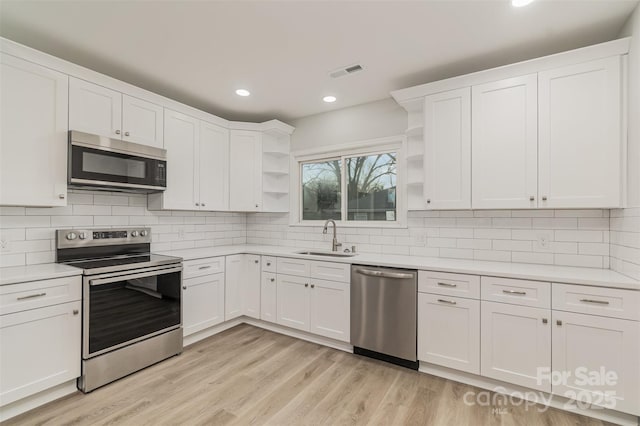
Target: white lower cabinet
<point>516,344</point>
<point>40,348</point>
<point>600,358</point>
<point>293,301</point>
<point>268,297</point>
<point>251,287</point>
<point>449,332</point>
<point>330,309</point>
<point>202,302</point>
<point>234,266</point>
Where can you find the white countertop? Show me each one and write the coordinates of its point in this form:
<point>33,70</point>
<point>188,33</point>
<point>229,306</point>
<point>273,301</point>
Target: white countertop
<point>45,271</point>
<point>550,273</point>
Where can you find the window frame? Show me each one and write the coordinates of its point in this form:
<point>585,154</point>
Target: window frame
<point>377,146</point>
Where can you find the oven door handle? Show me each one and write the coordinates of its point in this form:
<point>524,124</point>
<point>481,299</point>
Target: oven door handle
<point>134,276</point>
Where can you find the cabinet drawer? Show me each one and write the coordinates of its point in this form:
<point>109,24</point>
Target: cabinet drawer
<point>200,267</point>
<point>536,294</point>
<point>331,271</point>
<point>459,285</point>
<point>297,267</point>
<point>37,294</point>
<point>269,264</point>
<point>608,302</point>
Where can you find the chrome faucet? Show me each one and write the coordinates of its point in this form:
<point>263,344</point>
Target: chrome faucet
<point>335,244</point>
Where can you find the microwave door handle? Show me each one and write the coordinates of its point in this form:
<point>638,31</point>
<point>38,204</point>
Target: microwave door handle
<point>101,281</point>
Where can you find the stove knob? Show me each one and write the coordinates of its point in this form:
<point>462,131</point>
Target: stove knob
<point>144,233</point>
<point>82,235</point>
<point>71,236</point>
<point>134,233</point>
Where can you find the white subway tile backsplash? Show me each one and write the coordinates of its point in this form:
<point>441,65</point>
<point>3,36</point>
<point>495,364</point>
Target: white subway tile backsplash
<point>71,221</point>
<point>579,236</point>
<point>25,221</point>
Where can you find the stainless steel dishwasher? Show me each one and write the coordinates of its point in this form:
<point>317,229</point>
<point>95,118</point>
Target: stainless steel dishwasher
<point>383,314</point>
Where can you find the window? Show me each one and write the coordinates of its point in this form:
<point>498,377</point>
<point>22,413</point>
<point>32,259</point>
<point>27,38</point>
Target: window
<point>359,188</point>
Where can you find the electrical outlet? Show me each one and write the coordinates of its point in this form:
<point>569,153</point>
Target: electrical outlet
<point>543,241</point>
<point>181,233</point>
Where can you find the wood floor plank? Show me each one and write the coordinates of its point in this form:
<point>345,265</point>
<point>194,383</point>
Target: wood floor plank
<point>250,376</point>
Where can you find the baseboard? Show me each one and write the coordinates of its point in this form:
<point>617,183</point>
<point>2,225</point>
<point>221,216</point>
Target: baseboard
<point>211,331</point>
<point>34,401</point>
<point>543,398</point>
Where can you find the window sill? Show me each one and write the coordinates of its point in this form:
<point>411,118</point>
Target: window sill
<point>381,224</point>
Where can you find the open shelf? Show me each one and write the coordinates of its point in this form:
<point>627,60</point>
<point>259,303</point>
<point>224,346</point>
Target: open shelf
<point>276,172</point>
<point>414,131</point>
<point>276,153</point>
<point>415,157</point>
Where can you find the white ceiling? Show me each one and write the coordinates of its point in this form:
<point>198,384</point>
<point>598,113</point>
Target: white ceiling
<point>200,52</point>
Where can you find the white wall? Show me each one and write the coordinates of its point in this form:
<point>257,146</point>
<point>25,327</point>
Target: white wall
<point>361,122</point>
<point>28,234</point>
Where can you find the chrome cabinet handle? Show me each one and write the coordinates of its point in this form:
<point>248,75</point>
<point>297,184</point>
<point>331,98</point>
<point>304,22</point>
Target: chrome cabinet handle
<point>544,198</point>
<point>447,284</point>
<point>205,267</point>
<point>313,285</point>
<point>268,263</point>
<point>306,284</point>
<point>197,204</point>
<point>61,196</point>
<point>31,296</point>
<point>117,132</point>
<point>559,322</point>
<point>544,320</point>
<point>599,302</point>
<point>532,198</point>
<point>75,312</point>
<point>203,204</point>
<point>382,274</point>
<point>184,287</point>
<point>450,302</point>
<point>428,201</point>
<point>256,261</point>
<point>522,293</point>
<point>272,279</point>
<point>126,133</point>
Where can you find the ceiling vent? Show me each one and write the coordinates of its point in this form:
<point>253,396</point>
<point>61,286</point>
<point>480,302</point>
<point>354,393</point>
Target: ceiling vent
<point>351,69</point>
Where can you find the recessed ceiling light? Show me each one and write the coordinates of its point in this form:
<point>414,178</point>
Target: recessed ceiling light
<point>329,99</point>
<point>520,3</point>
<point>242,92</point>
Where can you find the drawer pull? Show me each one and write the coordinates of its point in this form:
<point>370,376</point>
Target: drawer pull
<point>31,296</point>
<point>268,263</point>
<point>450,302</point>
<point>272,279</point>
<point>204,267</point>
<point>447,284</point>
<point>520,293</point>
<point>599,302</point>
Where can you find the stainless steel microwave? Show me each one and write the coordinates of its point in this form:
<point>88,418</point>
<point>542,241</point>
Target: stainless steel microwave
<point>98,162</point>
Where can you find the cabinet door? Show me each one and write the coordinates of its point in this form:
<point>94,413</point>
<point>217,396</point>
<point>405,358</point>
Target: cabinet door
<point>202,302</point>
<point>505,143</point>
<point>330,309</point>
<point>516,344</point>
<point>608,349</point>
<point>251,286</point>
<point>293,301</point>
<point>40,349</point>
<point>245,174</point>
<point>94,109</point>
<point>580,135</point>
<point>268,297</point>
<point>449,332</point>
<point>180,138</point>
<point>33,134</point>
<point>142,122</point>
<point>213,161</point>
<point>447,152</point>
<point>234,266</point>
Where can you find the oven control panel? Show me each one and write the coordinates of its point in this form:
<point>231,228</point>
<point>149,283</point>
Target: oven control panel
<point>69,238</point>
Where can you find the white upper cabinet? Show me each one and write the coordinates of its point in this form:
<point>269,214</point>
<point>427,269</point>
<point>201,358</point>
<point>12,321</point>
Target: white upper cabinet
<point>580,135</point>
<point>212,162</point>
<point>245,174</point>
<point>94,109</point>
<point>142,122</point>
<point>505,143</point>
<point>33,134</point>
<point>105,112</point>
<point>447,152</point>
<point>181,138</point>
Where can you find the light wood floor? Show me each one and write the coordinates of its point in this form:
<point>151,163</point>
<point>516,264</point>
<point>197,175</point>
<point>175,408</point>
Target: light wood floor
<point>247,375</point>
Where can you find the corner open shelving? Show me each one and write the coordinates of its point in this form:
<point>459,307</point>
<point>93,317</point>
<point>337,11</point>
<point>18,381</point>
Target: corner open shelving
<point>275,169</point>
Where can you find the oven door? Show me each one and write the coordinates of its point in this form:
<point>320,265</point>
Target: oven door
<point>120,309</point>
<point>104,167</point>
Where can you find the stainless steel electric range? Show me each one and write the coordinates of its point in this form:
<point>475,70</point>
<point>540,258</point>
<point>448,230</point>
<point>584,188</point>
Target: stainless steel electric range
<point>131,301</point>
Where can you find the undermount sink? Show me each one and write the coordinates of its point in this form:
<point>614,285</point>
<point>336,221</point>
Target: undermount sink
<point>326,253</point>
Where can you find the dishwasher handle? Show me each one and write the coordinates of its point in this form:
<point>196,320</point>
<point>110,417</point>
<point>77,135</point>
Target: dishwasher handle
<point>384,274</point>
